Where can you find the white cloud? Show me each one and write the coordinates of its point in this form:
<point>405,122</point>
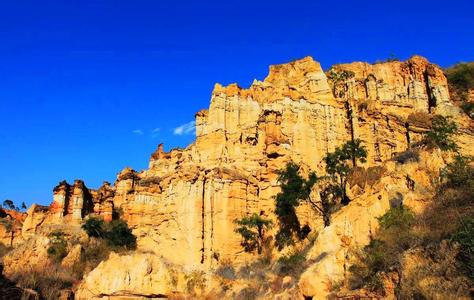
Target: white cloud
<point>184,129</point>
<point>137,132</point>
<point>155,132</point>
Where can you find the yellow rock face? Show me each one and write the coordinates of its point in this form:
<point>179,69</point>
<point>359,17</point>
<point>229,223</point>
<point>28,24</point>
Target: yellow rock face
<point>188,199</point>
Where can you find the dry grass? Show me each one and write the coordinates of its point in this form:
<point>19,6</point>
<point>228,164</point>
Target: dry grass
<point>48,280</point>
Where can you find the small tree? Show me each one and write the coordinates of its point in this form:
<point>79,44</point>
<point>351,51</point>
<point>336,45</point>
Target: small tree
<point>324,206</point>
<point>441,134</point>
<point>9,204</point>
<point>294,189</point>
<point>252,229</point>
<point>338,169</point>
<point>356,151</point>
<point>23,206</point>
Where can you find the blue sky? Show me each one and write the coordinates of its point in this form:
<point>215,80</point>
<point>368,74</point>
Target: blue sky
<point>89,87</point>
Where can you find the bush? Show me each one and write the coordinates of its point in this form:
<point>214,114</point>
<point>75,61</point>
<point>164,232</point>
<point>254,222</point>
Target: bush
<point>383,254</point>
<point>441,133</point>
<point>291,264</point>
<point>461,80</point>
<point>94,227</point>
<point>459,172</point>
<point>58,246</point>
<point>468,108</point>
<point>116,233</point>
<point>120,235</point>
<point>252,230</point>
<point>95,251</point>
<point>248,293</point>
<point>397,217</point>
<point>465,238</point>
<point>294,190</point>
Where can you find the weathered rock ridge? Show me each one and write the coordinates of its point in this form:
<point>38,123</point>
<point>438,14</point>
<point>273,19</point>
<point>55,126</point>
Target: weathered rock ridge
<point>183,206</point>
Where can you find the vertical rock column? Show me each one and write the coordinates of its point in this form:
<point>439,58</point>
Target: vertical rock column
<point>108,209</point>
<point>59,200</point>
<point>78,200</point>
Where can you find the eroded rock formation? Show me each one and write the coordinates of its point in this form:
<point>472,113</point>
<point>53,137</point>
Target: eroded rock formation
<point>187,199</point>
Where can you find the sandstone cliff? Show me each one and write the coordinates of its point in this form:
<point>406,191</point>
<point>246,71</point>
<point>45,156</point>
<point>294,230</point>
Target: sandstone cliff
<point>183,206</point>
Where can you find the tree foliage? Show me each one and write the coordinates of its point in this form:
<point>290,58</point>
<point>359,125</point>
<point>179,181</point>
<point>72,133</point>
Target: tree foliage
<point>338,166</point>
<point>94,227</point>
<point>459,172</point>
<point>9,204</point>
<point>441,134</point>
<point>116,233</point>
<point>294,189</point>
<point>252,229</point>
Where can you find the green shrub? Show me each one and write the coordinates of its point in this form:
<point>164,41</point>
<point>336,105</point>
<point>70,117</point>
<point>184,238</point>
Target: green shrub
<point>290,264</point>
<point>397,217</point>
<point>338,166</point>
<point>468,108</point>
<point>459,173</point>
<point>384,252</point>
<point>57,249</point>
<point>252,230</point>
<point>465,238</point>
<point>441,134</point>
<point>94,227</point>
<point>118,234</point>
<point>461,80</point>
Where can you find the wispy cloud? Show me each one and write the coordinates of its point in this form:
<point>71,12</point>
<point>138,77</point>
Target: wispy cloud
<point>155,132</point>
<point>184,129</point>
<point>137,132</point>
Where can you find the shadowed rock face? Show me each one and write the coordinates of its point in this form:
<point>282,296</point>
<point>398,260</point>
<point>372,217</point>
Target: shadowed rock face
<point>183,206</point>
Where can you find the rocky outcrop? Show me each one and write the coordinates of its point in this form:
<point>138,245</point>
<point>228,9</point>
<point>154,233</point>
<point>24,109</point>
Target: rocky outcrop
<point>136,276</point>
